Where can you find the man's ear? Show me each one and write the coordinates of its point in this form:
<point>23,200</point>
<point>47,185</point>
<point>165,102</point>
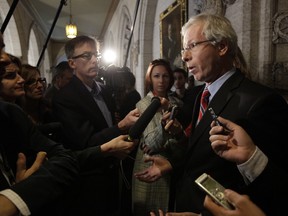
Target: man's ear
<point>71,63</point>
<point>223,48</point>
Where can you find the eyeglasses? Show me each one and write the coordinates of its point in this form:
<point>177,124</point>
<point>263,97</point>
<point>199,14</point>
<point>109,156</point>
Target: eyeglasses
<point>10,75</point>
<point>34,82</point>
<point>88,55</point>
<point>194,44</point>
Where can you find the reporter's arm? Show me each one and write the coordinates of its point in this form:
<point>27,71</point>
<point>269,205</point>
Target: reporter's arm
<point>11,204</point>
<point>129,120</point>
<point>238,147</point>
<point>49,182</point>
<point>255,165</point>
<point>119,147</point>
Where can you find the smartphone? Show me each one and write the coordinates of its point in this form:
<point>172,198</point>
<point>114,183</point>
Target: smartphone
<point>217,122</point>
<point>213,189</point>
<point>173,112</point>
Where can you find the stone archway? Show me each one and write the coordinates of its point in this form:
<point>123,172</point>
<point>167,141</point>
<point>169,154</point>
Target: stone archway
<point>145,35</point>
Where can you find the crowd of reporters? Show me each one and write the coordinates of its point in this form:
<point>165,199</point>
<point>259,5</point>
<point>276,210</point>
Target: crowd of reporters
<point>88,165</point>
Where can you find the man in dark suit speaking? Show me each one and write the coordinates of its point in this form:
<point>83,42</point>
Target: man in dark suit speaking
<point>211,56</point>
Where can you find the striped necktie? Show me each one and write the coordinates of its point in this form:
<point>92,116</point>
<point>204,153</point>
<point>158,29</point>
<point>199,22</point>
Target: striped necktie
<point>203,103</point>
<point>203,106</point>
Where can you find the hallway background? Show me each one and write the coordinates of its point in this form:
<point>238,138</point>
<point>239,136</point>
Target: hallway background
<point>261,25</point>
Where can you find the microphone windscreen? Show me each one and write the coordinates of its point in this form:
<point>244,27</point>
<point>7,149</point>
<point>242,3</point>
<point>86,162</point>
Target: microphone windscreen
<point>137,129</point>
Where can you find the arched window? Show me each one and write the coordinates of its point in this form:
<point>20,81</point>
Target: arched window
<point>11,36</point>
<point>33,53</point>
<point>47,69</point>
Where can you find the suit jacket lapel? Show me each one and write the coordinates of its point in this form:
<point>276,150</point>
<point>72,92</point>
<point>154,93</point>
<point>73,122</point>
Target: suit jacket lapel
<point>226,92</point>
<point>87,99</point>
<point>106,95</point>
<point>218,103</point>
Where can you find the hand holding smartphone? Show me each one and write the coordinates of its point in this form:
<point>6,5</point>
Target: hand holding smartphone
<point>174,111</point>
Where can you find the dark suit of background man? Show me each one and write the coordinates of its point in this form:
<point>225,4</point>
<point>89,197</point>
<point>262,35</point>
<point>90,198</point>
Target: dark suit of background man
<point>210,53</point>
<point>85,108</point>
<point>61,77</point>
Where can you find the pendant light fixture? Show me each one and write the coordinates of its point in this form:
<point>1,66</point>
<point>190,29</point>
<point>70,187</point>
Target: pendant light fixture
<point>71,29</point>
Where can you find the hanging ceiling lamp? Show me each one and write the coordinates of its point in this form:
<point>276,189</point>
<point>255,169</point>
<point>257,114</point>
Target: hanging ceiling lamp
<point>71,29</point>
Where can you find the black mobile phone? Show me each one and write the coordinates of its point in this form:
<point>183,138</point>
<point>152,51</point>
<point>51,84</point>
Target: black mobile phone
<point>173,112</point>
<point>214,116</point>
<point>217,122</point>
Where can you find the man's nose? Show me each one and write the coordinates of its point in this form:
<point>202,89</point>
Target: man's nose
<point>186,56</point>
<point>20,80</point>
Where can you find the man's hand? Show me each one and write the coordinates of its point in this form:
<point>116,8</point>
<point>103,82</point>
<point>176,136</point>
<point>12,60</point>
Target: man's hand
<point>129,120</point>
<point>161,213</point>
<point>164,103</point>
<point>171,126</point>
<point>120,147</point>
<point>237,146</point>
<point>22,172</point>
<point>160,166</point>
<point>243,205</point>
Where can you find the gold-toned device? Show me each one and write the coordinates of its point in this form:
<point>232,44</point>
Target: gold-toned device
<point>213,189</point>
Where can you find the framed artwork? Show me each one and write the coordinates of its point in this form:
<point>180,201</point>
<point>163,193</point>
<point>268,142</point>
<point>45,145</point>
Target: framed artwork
<point>171,21</point>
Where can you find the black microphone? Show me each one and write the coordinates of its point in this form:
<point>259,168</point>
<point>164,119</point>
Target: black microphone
<point>137,129</point>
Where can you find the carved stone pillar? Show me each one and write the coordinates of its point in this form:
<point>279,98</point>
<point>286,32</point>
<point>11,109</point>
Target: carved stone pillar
<point>280,27</point>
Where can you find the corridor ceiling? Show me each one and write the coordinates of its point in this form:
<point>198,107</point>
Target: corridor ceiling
<point>91,16</point>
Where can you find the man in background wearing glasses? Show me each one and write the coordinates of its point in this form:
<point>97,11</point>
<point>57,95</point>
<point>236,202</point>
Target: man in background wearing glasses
<point>85,107</point>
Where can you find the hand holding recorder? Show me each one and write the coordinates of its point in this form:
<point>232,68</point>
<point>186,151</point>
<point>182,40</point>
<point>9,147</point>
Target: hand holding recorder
<point>214,190</point>
<point>237,146</point>
<point>243,205</point>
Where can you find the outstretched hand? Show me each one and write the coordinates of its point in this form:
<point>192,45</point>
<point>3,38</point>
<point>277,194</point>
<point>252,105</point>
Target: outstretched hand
<point>119,147</point>
<point>22,172</point>
<point>160,166</point>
